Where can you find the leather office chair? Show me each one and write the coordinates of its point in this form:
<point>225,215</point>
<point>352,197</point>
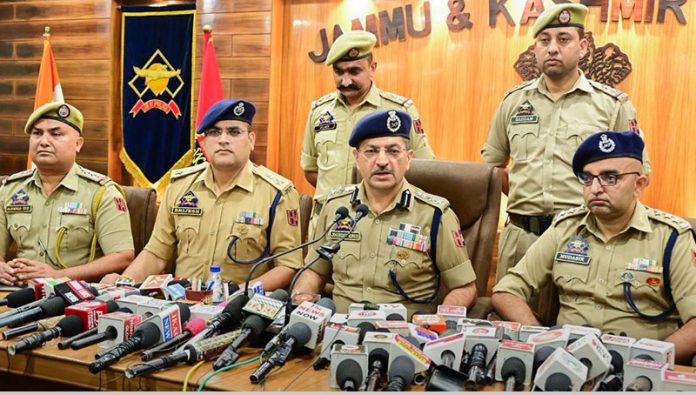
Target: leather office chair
<point>474,193</point>
<point>142,206</point>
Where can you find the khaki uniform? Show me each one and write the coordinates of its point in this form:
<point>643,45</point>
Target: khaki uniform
<point>329,125</point>
<point>360,269</point>
<point>28,215</point>
<point>195,226</point>
<point>590,270</point>
<point>540,136</point>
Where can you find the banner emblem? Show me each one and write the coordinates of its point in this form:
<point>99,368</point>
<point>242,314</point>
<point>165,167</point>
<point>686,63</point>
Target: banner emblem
<point>157,78</point>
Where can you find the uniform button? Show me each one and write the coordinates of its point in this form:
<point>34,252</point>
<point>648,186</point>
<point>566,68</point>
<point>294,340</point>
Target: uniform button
<point>369,289</point>
<point>41,253</point>
<point>601,281</point>
<point>44,226</point>
<point>372,255</point>
<point>598,306</point>
<point>377,222</point>
<point>243,230</point>
<point>47,204</point>
<point>211,234</point>
<point>608,248</point>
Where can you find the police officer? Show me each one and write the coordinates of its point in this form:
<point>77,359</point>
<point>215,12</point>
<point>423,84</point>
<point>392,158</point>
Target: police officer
<point>326,158</point>
<point>540,124</point>
<point>229,212</point>
<point>65,220</point>
<point>408,248</point>
<point>618,265</point>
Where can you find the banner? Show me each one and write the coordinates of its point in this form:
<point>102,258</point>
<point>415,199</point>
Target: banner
<point>210,91</point>
<point>157,60</point>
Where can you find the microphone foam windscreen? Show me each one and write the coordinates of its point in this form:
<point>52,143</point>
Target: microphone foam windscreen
<point>362,210</point>
<point>301,333</point>
<point>379,354</point>
<point>513,367</point>
<point>364,328</point>
<point>111,306</point>
<point>280,294</point>
<point>342,212</point>
<point>558,382</point>
<point>52,307</point>
<point>232,287</point>
<point>184,311</point>
<point>149,333</point>
<point>256,324</point>
<point>70,326</point>
<point>617,361</point>
<point>403,367</point>
<point>349,369</point>
<point>328,303</point>
<point>195,326</point>
<point>21,297</point>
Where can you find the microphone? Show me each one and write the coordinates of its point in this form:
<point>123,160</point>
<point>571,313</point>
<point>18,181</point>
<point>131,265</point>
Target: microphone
<point>654,350</point>
<point>189,353</point>
<point>561,372</point>
<point>19,298</point>
<point>515,361</point>
<point>481,344</point>
<point>68,326</point>
<point>228,319</point>
<point>252,327</point>
<point>644,375</point>
<point>378,360</point>
<point>401,372</point>
<point>47,308</point>
<point>43,325</point>
<point>348,367</point>
<point>297,336</point>
<point>592,353</point>
<point>316,315</point>
<point>446,351</point>
<point>146,335</point>
<point>341,213</point>
<point>192,328</point>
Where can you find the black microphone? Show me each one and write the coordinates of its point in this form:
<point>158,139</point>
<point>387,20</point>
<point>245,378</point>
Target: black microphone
<point>192,328</point>
<point>401,374</point>
<point>341,213</point>
<point>68,326</point>
<point>228,319</point>
<point>146,335</point>
<point>513,372</point>
<point>349,375</point>
<point>252,327</point>
<point>378,361</point>
<point>48,308</point>
<point>477,366</point>
<point>297,335</point>
<point>19,298</point>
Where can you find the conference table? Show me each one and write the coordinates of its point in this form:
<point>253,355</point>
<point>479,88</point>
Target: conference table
<point>69,368</point>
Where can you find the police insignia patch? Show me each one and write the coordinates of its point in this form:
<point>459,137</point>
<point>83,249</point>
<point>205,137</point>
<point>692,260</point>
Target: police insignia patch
<point>239,109</point>
<point>606,144</point>
<point>325,122</point>
<point>458,238</point>
<point>393,122</point>
<point>19,203</point>
<point>353,53</point>
<point>293,217</point>
<point>576,252</point>
<point>564,16</point>
<point>342,227</point>
<point>653,281</point>
<point>121,204</point>
<point>633,125</point>
<point>525,114</point>
<point>188,205</point>
<point>63,111</point>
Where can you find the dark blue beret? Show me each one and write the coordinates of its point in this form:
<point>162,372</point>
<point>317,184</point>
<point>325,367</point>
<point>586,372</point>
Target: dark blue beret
<point>379,124</point>
<point>228,109</point>
<point>605,145</point>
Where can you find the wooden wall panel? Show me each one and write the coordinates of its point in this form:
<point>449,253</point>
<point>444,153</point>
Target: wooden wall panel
<point>457,79</point>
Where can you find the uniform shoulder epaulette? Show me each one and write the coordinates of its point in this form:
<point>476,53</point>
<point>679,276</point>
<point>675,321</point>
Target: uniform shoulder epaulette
<point>393,97</point>
<point>323,100</point>
<point>613,92</point>
<point>279,182</point>
<point>178,173</point>
<point>571,212</point>
<point>515,88</point>
<point>18,176</point>
<point>93,176</point>
<point>678,223</point>
<point>433,200</point>
<point>341,191</point>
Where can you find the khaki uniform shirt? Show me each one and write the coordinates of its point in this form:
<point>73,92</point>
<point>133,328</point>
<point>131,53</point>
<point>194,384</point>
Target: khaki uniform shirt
<point>195,226</point>
<point>541,135</point>
<point>29,215</point>
<point>329,126</point>
<point>360,269</point>
<point>591,288</point>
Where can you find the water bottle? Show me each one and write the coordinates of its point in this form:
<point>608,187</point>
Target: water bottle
<point>215,285</point>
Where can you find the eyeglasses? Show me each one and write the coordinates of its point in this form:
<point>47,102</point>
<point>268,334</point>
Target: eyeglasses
<point>373,152</point>
<point>605,179</point>
<point>217,132</point>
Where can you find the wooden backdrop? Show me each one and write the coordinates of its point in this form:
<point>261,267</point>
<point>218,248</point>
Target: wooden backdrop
<point>457,79</point>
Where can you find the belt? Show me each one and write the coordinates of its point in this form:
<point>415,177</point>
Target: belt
<point>531,223</point>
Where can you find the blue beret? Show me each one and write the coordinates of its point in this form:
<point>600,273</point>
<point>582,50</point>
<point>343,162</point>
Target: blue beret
<point>379,124</point>
<point>228,109</point>
<point>605,145</point>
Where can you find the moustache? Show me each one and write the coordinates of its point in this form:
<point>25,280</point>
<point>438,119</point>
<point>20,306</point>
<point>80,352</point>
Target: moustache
<point>351,87</point>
